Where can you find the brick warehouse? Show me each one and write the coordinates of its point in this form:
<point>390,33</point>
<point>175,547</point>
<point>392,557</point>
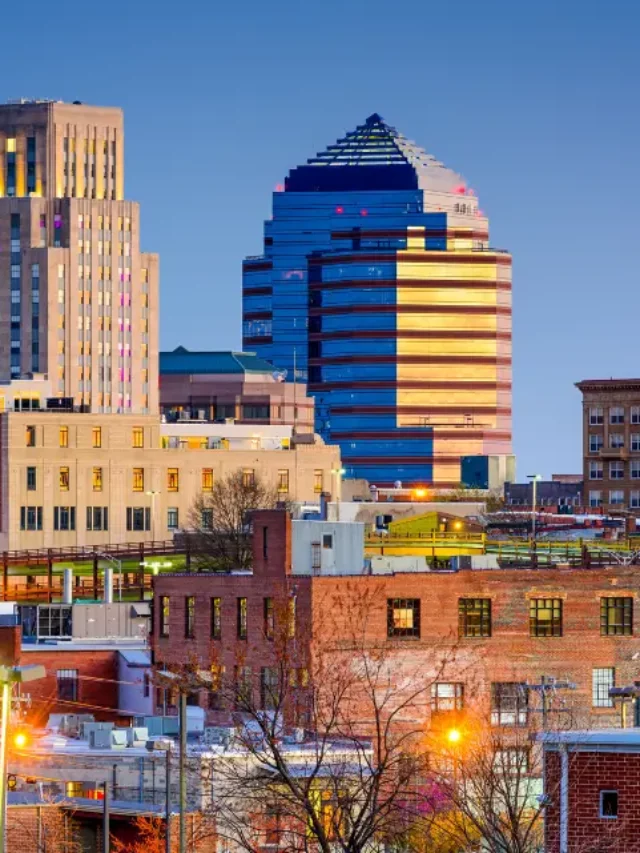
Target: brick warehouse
<point>508,626</point>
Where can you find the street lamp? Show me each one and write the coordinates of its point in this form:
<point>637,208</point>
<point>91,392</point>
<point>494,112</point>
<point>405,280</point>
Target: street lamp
<point>156,565</point>
<point>338,473</point>
<point>534,486</point>
<point>10,675</point>
<point>153,494</point>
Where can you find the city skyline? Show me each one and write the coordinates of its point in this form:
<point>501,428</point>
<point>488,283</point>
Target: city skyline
<point>531,106</point>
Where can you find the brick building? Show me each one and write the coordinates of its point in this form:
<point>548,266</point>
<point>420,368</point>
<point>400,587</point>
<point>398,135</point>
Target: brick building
<point>508,626</point>
<point>591,785</point>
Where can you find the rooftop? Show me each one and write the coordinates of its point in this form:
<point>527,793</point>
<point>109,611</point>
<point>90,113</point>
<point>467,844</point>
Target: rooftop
<point>594,738</point>
<point>607,383</point>
<point>181,360</point>
<point>374,156</point>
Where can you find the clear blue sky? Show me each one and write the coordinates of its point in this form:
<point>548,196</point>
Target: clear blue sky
<point>535,103</point>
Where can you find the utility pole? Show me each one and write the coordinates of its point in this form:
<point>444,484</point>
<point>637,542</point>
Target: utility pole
<point>548,684</point>
<point>106,839</point>
<point>182,770</point>
<point>534,487</point>
<point>167,803</point>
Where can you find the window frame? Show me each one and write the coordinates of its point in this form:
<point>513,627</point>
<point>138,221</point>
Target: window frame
<point>403,605</point>
<point>65,679</point>
<point>599,683</point>
<point>607,607</point>
<point>516,716</point>
<point>164,611</point>
<point>484,620</point>
<point>442,704</point>
<point>189,617</point>
<point>552,628</point>
<point>242,607</point>
<point>137,437</point>
<point>601,810</point>
<point>216,617</point>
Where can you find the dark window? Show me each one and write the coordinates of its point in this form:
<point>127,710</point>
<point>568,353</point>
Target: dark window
<point>269,688</point>
<point>216,696</point>
<point>138,518</point>
<point>545,617</point>
<point>31,479</point>
<point>474,617</point>
<point>327,540</point>
<point>316,556</point>
<point>509,704</point>
<point>608,804</point>
<point>447,696</point>
<point>403,617</point>
<point>164,615</point>
<point>616,616</point>
<point>265,542</point>
<point>190,616</point>
<point>30,518</point>
<point>67,684</point>
<point>269,621</point>
<point>172,518</point>
<point>242,618</point>
<point>216,618</point>
<point>243,689</point>
<point>254,413</point>
<point>97,518</point>
<point>207,519</point>
<point>64,518</point>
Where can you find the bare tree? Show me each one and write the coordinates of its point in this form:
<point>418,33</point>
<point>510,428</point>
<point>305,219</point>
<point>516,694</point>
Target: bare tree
<point>220,520</point>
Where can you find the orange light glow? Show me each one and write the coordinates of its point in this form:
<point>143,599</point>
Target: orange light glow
<point>20,740</point>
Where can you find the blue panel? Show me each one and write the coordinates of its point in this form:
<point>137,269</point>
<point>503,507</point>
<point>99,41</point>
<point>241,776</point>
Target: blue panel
<point>356,372</point>
<point>368,346</point>
<point>344,322</point>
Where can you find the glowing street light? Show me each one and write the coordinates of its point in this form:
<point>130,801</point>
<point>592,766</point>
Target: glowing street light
<point>20,740</point>
<point>454,736</point>
<point>420,493</point>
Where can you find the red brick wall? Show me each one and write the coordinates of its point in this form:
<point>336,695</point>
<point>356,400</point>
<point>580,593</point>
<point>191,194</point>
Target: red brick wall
<point>95,696</point>
<point>590,773</point>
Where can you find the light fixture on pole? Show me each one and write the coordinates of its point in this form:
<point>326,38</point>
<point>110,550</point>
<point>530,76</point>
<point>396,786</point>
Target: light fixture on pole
<point>338,473</point>
<point>10,675</point>
<point>153,494</point>
<point>534,486</point>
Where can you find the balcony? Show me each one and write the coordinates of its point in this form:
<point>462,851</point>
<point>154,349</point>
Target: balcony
<point>613,453</point>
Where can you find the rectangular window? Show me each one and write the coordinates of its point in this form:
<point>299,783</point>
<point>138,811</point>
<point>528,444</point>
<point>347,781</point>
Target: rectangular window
<point>283,481</point>
<point>635,414</point>
<point>602,680</point>
<point>616,470</point>
<point>173,480</point>
<point>447,696</point>
<point>616,415</point>
<point>242,618</point>
<point>137,438</point>
<point>595,470</point>
<point>172,518</point>
<point>207,479</point>
<point>616,440</point>
<point>96,479</point>
<point>67,681</point>
<point>635,442</point>
<point>164,615</point>
<point>316,556</point>
<point>545,617</point>
<point>595,499</point>
<point>634,499</point>
<point>64,518</point>
<point>96,436</point>
<point>30,436</point>
<point>63,436</point>
<point>138,479</point>
<point>509,704</point>
<point>63,479</point>
<point>30,518</point>
<point>190,616</point>
<point>248,478</point>
<point>139,518</point>
<point>216,618</point>
<point>634,469</point>
<point>474,617</point>
<point>31,479</point>
<point>206,519</point>
<point>269,619</point>
<point>596,416</point>
<point>403,617</point>
<point>616,497</point>
<point>243,687</point>
<point>269,688</point>
<point>595,443</point>
<point>318,481</point>
<point>609,804</point>
<point>616,616</point>
<point>216,696</point>
<point>97,518</point>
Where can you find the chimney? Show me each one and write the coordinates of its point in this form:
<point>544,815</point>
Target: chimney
<point>67,586</point>
<point>108,586</point>
<point>271,542</point>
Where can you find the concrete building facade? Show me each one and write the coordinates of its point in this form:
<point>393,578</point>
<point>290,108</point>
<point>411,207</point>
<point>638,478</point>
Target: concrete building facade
<point>81,297</point>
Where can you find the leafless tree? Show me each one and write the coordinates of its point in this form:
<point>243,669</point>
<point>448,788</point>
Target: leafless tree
<point>220,520</point>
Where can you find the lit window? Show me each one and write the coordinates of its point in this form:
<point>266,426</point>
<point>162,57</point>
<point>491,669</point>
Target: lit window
<point>190,616</point>
<point>447,697</point>
<point>248,478</point>
<point>242,618</point>
<point>138,437</point>
<point>64,479</point>
<point>164,615</point>
<point>474,617</point>
<point>616,616</point>
<point>403,617</point>
<point>138,479</point>
<point>63,435</point>
<point>173,480</point>
<point>318,481</point>
<point>30,436</point>
<point>96,479</point>
<point>216,618</point>
<point>96,434</point>
<point>207,479</point>
<point>602,680</point>
<point>283,481</point>
<point>545,617</point>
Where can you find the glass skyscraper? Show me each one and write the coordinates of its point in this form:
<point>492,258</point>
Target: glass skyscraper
<point>378,286</point>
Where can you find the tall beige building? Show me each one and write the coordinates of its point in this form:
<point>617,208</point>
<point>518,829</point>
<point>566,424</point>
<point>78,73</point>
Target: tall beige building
<point>79,299</point>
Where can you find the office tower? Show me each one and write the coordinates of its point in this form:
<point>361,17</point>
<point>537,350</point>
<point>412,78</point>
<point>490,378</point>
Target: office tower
<point>80,298</point>
<point>378,285</point>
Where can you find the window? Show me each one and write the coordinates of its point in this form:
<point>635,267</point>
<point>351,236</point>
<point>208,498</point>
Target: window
<point>255,413</point>
<point>248,478</point>
<point>316,556</point>
<point>138,479</point>
<point>609,804</point>
<point>63,435</point>
<point>206,519</point>
<point>30,436</point>
<point>634,469</point>
<point>616,470</point>
<point>616,616</point>
<point>172,518</point>
<point>30,518</point>
<point>635,441</point>
<point>67,680</point>
<point>137,438</point>
<point>96,436</point>
<point>164,615</point>
<point>327,541</point>
<point>269,619</point>
<point>447,697</point>
<point>269,688</point>
<point>242,618</point>
<point>635,414</point>
<point>139,518</point>
<point>173,480</point>
<point>634,498</point>
<point>403,617</point>
<point>97,518</point>
<point>190,616</point>
<point>616,415</point>
<point>216,697</point>
<point>602,680</point>
<point>509,704</point>
<point>283,481</point>
<point>616,497</point>
<point>595,443</point>
<point>207,479</point>
<point>545,617</point>
<point>595,499</point>
<point>474,617</point>
<point>216,618</point>
<point>96,479</point>
<point>318,481</point>
<point>63,479</point>
<point>64,518</point>
<point>31,479</point>
<point>596,416</point>
<point>595,470</point>
<point>616,440</point>
<point>243,689</point>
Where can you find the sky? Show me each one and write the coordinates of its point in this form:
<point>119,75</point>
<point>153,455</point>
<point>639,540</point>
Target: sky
<point>535,103</point>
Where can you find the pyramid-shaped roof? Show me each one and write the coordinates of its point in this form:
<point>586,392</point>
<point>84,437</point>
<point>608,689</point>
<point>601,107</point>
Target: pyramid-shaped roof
<point>374,156</point>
